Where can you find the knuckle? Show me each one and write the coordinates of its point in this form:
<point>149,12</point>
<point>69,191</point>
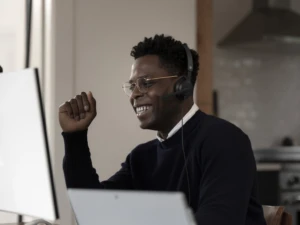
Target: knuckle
<point>73,101</point>
<point>63,106</point>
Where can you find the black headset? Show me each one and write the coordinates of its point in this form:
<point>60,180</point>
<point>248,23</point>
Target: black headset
<point>183,87</point>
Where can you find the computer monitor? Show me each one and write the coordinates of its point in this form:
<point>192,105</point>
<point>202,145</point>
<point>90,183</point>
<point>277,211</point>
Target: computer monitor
<point>27,186</point>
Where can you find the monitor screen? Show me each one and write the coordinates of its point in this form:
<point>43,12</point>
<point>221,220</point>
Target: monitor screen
<point>27,186</point>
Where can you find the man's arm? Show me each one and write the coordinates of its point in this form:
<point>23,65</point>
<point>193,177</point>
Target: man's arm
<point>78,168</point>
<point>228,169</point>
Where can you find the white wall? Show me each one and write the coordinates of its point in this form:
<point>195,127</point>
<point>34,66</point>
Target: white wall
<point>105,31</point>
<point>59,85</point>
<point>12,34</point>
<point>92,41</point>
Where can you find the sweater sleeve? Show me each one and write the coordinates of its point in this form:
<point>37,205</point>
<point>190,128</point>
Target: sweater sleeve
<point>228,169</point>
<point>78,168</point>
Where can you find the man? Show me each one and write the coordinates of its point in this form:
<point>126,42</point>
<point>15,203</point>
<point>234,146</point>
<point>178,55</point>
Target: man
<point>215,167</point>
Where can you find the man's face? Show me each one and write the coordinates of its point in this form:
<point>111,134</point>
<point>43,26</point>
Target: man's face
<point>152,110</point>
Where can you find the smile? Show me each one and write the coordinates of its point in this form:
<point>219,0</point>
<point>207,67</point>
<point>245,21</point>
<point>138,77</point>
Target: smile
<point>141,110</point>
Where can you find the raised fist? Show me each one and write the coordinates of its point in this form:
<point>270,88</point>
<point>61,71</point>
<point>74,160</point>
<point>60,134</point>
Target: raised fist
<point>77,113</point>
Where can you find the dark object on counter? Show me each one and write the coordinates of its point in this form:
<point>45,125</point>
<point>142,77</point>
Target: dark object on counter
<point>287,141</point>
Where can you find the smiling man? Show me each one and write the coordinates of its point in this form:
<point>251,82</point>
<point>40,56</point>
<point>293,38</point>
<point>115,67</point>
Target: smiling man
<point>208,159</point>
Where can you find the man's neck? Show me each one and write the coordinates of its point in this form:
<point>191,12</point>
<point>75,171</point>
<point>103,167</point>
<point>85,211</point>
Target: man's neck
<point>185,109</point>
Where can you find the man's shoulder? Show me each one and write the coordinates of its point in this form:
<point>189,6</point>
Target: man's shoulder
<point>213,124</point>
<point>221,137</point>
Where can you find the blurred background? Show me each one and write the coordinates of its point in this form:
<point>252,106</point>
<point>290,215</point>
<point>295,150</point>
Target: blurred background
<point>84,45</point>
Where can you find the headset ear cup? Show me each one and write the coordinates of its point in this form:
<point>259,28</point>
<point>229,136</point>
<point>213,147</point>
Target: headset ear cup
<point>184,88</point>
<point>189,89</point>
<point>178,87</point>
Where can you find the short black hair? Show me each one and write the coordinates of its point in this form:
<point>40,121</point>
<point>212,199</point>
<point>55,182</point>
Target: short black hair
<point>171,53</point>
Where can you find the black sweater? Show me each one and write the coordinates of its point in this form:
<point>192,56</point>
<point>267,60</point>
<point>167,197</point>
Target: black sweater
<point>219,160</point>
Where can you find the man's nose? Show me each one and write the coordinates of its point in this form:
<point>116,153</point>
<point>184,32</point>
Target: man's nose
<point>136,93</point>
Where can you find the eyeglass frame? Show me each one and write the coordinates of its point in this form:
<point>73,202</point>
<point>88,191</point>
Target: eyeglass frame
<point>147,79</point>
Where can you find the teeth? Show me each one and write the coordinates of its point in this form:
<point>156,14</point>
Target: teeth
<point>141,109</point>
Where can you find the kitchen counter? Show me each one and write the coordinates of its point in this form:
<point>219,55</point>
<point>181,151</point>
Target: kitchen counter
<point>268,166</point>
<point>278,155</point>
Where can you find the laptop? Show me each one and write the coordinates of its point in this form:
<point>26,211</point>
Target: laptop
<point>115,207</point>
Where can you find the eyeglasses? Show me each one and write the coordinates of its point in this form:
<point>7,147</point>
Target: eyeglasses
<point>143,84</point>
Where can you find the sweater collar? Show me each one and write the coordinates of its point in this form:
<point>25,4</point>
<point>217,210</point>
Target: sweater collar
<point>186,118</point>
